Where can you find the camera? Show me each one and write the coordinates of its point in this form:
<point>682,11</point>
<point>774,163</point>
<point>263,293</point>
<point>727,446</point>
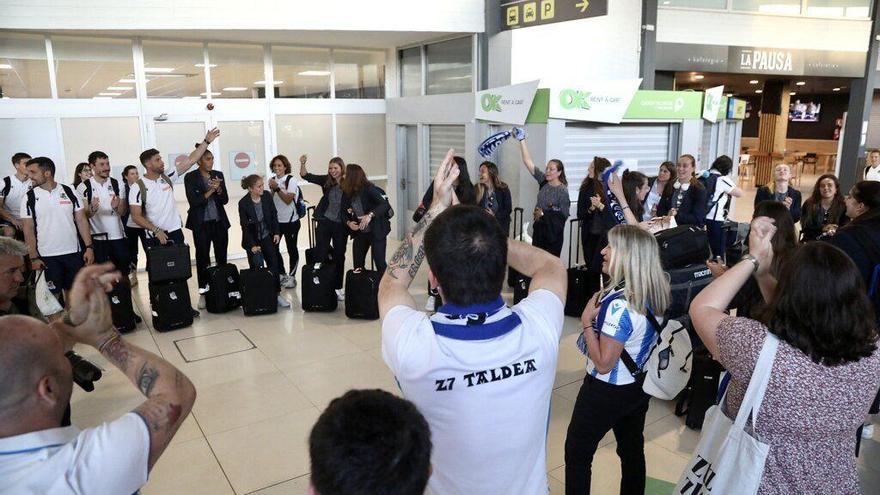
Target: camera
<point>85,373</point>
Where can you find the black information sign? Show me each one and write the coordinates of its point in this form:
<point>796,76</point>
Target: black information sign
<point>524,13</point>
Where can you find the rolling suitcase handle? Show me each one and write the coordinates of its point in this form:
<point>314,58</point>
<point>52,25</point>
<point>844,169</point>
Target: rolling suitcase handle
<point>310,220</point>
<point>575,241</point>
<point>520,211</point>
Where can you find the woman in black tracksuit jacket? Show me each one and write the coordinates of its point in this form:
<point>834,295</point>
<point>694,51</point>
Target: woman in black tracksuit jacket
<point>260,232</point>
<point>366,217</point>
<point>463,188</point>
<point>685,198</point>
<point>331,217</point>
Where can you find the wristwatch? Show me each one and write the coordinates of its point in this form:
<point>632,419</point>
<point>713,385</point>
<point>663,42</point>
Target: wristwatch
<point>752,259</point>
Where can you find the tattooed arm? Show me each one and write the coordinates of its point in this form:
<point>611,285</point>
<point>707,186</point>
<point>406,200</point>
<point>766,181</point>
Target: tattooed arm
<point>405,263</point>
<point>170,394</point>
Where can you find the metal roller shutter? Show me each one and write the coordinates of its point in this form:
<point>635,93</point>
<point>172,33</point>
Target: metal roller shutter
<point>873,139</point>
<point>440,139</point>
<point>709,145</point>
<point>644,145</point>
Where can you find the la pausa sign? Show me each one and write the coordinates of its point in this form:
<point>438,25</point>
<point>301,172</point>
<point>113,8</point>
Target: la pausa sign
<point>766,60</point>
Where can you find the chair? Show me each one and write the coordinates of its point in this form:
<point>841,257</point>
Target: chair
<point>746,163</point>
<point>811,159</point>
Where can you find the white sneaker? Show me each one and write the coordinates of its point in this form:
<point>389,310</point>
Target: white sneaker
<point>431,304</point>
<point>868,431</point>
<point>202,301</point>
<point>282,302</point>
<point>340,294</point>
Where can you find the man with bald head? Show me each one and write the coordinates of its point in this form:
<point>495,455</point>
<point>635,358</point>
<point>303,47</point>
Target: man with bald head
<point>39,457</point>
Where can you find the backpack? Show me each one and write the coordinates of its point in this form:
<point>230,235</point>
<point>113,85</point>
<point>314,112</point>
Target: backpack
<point>88,189</point>
<point>7,186</point>
<point>300,202</point>
<point>31,204</point>
<point>709,181</point>
<point>668,367</point>
<point>143,191</point>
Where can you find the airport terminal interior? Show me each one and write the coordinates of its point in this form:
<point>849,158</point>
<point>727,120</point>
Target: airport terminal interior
<point>392,85</point>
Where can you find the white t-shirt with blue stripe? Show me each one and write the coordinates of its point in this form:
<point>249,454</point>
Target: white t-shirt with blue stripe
<point>627,326</point>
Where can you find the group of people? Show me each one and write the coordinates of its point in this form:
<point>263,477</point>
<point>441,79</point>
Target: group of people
<point>101,218</point>
<point>477,375</point>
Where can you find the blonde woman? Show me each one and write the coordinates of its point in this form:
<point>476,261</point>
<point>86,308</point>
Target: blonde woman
<point>615,321</point>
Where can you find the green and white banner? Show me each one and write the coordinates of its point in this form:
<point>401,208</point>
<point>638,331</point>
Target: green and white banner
<point>507,104</point>
<point>712,103</point>
<point>598,101</point>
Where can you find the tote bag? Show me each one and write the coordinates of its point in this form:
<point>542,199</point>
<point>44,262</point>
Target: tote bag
<point>728,459</point>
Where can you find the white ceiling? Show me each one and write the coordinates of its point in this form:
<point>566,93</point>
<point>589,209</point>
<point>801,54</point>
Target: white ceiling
<point>330,39</point>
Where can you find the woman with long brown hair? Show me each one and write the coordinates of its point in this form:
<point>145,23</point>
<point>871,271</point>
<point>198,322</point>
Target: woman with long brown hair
<point>553,202</point>
<point>366,209</point>
<point>330,216</point>
<point>493,195</point>
<point>824,211</point>
<point>595,223</point>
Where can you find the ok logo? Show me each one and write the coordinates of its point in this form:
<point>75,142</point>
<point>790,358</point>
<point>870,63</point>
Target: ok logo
<point>572,98</point>
<point>491,103</point>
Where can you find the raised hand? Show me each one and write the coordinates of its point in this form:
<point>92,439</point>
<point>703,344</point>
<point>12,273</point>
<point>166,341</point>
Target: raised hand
<point>760,242</point>
<point>212,135</point>
<point>101,276</point>
<point>447,173</point>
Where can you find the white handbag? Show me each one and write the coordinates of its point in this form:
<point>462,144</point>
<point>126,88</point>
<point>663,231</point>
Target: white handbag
<point>730,459</point>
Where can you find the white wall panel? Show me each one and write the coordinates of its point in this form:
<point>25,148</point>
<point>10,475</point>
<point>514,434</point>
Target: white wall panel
<point>769,31</point>
<point>36,137</point>
<point>598,48</point>
<point>375,15</point>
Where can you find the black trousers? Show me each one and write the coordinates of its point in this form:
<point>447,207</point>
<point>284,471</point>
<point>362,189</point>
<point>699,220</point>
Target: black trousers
<point>601,407</point>
<point>336,233</point>
<point>376,246</point>
<point>271,259</point>
<point>209,233</point>
<point>115,251</point>
<point>290,233</point>
<point>540,239</point>
<point>592,245</point>
<point>132,235</point>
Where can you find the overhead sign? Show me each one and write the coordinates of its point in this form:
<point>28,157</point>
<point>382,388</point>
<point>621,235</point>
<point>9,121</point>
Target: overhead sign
<point>524,13</point>
<point>712,103</point>
<point>758,60</point>
<point>599,101</point>
<point>507,104</point>
<point>736,109</point>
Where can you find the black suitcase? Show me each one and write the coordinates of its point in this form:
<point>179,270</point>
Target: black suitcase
<point>224,289</point>
<point>582,283</point>
<point>171,306</point>
<point>362,294</point>
<point>512,275</point>
<point>259,294</point>
<point>121,308</point>
<point>701,392</point>
<point>734,253</point>
<point>318,288</point>
<point>168,262</point>
<point>685,284</point>
<point>521,289</point>
<point>682,246</point>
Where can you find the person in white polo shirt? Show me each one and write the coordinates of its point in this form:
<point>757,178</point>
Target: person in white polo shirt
<point>151,198</point>
<point>12,190</point>
<point>37,455</point>
<point>481,373</point>
<point>52,214</point>
<point>103,206</point>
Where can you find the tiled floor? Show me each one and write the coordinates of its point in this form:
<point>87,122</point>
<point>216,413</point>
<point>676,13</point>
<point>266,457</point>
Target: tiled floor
<point>262,382</point>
